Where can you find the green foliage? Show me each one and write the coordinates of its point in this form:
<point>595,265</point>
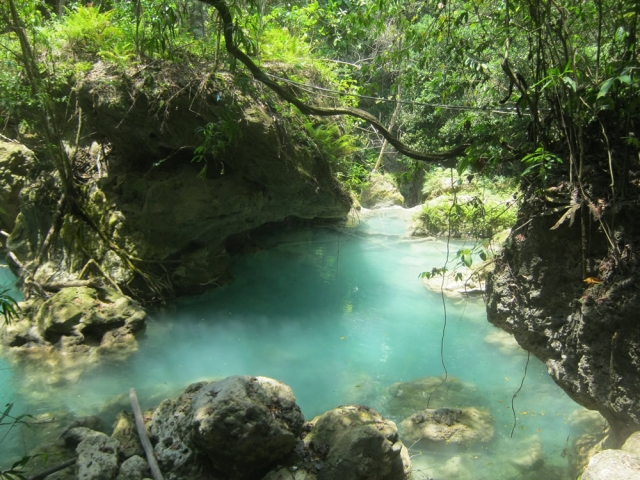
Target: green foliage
<point>356,178</point>
<point>216,138</point>
<point>339,150</point>
<point>329,140</point>
<point>279,46</point>
<point>8,306</point>
<point>16,472</point>
<point>465,259</point>
<point>436,272</point>
<point>89,31</point>
<point>539,164</point>
<point>475,206</point>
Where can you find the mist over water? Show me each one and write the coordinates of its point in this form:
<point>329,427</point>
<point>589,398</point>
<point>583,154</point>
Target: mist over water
<point>339,315</point>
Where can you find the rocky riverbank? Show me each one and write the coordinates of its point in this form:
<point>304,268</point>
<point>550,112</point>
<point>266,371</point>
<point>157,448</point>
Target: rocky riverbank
<point>171,180</point>
<point>238,428</point>
<point>584,329</point>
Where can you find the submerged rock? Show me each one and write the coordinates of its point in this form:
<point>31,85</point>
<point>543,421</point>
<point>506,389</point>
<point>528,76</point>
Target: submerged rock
<point>356,443</point>
<point>503,342</point>
<point>405,398</point>
<point>529,456</point>
<point>448,426</point>
<point>287,473</point>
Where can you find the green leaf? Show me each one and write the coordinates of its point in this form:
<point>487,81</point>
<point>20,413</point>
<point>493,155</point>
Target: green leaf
<point>569,82</point>
<point>604,89</point>
<point>625,79</point>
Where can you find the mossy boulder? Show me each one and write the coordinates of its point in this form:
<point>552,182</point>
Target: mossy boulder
<point>89,313</point>
<point>69,332</point>
<point>15,162</point>
<point>356,443</point>
<point>381,191</point>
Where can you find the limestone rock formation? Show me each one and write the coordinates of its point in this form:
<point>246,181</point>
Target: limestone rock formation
<point>613,465</point>
<point>15,162</point>
<point>238,428</point>
<point>73,329</point>
<point>623,464</point>
<point>586,332</point>
<point>381,191</point>
<point>134,468</point>
<point>240,425</point>
<point>405,398</point>
<point>124,430</point>
<point>356,443</point>
<point>169,432</point>
<point>172,221</point>
<point>448,425</point>
<point>245,423</point>
<point>97,458</point>
<point>632,445</point>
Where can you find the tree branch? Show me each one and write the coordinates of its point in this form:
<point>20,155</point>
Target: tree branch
<point>258,74</point>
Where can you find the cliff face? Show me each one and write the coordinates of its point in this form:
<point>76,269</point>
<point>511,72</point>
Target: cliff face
<point>587,333</point>
<point>158,209</point>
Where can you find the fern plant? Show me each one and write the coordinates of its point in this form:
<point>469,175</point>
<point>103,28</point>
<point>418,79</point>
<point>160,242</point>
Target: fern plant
<point>89,31</point>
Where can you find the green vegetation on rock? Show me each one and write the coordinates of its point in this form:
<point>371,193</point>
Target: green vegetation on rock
<point>473,206</point>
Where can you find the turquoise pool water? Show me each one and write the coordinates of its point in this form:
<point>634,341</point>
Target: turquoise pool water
<point>340,315</point>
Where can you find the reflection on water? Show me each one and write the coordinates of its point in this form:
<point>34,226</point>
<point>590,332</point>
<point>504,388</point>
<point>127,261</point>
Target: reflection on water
<point>341,316</point>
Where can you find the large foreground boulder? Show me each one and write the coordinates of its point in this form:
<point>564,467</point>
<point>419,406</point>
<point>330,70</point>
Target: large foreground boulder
<point>245,423</point>
<point>239,426</point>
<point>356,443</point>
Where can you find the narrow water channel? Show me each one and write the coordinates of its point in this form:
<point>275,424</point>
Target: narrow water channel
<point>341,316</point>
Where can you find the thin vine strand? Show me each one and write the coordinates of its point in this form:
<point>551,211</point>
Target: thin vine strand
<point>444,303</point>
<point>513,398</point>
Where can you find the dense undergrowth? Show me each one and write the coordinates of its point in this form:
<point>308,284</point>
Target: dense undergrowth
<point>470,206</point>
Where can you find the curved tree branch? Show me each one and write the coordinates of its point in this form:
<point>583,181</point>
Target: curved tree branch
<point>227,25</point>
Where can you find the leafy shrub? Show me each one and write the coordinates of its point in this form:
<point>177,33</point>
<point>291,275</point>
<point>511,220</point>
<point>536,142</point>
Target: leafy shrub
<point>474,207</point>
<point>89,31</point>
